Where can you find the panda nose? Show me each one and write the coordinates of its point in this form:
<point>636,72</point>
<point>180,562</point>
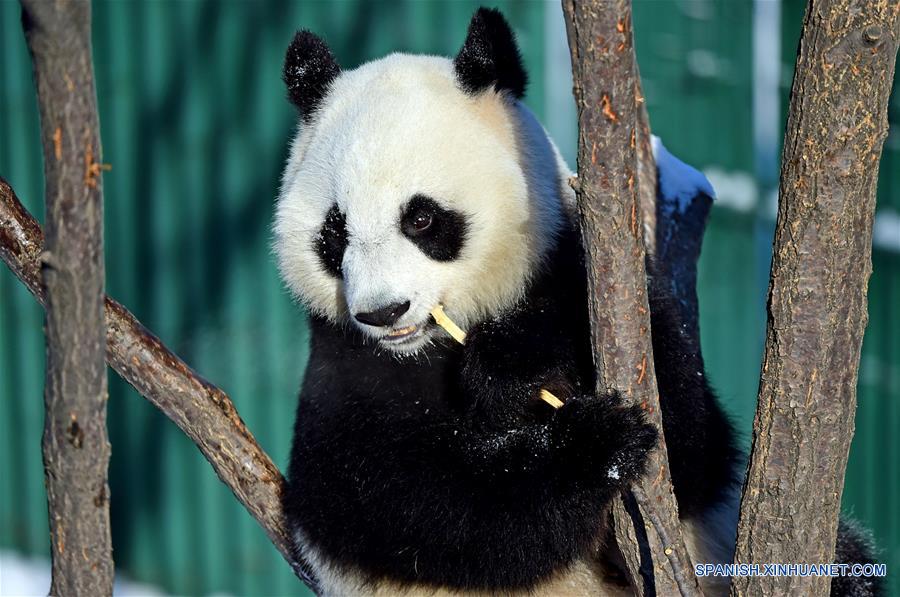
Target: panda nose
<point>385,316</point>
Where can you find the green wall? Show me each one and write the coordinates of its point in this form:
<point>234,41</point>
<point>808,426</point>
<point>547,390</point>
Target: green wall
<point>195,125</point>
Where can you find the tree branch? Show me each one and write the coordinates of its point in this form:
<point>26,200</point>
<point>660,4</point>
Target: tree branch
<point>75,444</point>
<point>203,411</point>
<point>603,64</point>
<point>821,264</point>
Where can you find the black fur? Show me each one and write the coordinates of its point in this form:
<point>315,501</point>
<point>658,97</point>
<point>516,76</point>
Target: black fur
<point>309,69</point>
<point>331,242</point>
<point>450,471</point>
<point>441,470</point>
<point>705,462</point>
<point>855,546</point>
<point>490,56</point>
<point>444,238</point>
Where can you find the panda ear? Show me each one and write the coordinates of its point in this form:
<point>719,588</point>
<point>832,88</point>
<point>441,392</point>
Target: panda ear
<point>490,56</point>
<point>309,69</point>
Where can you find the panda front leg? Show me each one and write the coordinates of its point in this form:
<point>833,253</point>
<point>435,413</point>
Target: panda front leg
<point>446,501</point>
<point>547,475</point>
<point>531,499</point>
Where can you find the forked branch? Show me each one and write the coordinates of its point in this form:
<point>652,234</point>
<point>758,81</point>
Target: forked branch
<point>201,410</point>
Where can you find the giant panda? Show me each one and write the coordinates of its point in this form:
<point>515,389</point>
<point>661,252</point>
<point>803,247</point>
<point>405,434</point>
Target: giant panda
<point>422,466</point>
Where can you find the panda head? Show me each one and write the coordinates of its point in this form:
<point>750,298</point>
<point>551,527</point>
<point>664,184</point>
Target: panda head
<point>415,181</point>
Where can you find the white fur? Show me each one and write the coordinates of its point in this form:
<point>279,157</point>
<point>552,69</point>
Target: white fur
<point>576,580</point>
<point>396,127</point>
<point>710,540</point>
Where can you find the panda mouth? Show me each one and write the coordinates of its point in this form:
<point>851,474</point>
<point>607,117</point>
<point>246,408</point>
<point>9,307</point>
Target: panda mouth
<point>400,334</point>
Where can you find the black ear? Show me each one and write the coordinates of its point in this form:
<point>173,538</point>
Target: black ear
<point>490,56</point>
<point>309,69</point>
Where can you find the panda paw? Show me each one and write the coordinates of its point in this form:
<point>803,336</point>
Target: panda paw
<point>600,441</point>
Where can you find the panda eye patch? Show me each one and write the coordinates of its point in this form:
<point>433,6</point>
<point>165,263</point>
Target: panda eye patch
<point>439,232</point>
<point>331,242</point>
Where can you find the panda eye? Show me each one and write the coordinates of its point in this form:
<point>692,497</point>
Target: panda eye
<point>422,222</point>
<point>438,231</point>
<point>417,220</point>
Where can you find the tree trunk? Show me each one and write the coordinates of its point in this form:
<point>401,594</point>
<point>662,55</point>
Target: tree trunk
<point>604,73</point>
<point>817,294</point>
<point>75,445</point>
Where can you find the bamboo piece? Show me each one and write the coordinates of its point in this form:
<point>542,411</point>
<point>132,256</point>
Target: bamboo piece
<point>443,320</point>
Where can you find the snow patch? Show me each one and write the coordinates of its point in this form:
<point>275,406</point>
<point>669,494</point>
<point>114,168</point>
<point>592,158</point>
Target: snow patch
<point>24,576</point>
<point>679,183</point>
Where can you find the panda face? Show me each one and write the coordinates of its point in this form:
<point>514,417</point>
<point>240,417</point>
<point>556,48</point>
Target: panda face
<point>404,191</point>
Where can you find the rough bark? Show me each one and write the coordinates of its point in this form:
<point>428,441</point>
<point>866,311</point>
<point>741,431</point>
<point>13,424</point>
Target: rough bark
<point>646,170</point>
<point>203,411</point>
<point>604,72</point>
<point>75,445</point>
<point>821,263</point>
